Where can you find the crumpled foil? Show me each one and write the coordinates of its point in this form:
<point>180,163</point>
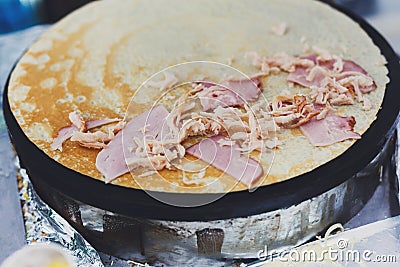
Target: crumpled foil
<point>43,224</point>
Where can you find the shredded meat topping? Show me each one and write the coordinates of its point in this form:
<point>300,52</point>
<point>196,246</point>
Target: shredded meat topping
<point>292,111</point>
<point>233,108</point>
<point>333,80</point>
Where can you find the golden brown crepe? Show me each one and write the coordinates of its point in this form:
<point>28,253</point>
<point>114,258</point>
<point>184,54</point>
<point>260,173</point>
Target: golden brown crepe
<point>94,60</point>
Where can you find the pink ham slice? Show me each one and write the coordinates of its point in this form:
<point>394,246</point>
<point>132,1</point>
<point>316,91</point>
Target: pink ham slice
<point>330,130</point>
<point>301,72</point>
<point>248,89</point>
<point>63,135</point>
<point>66,132</point>
<point>111,160</point>
<point>231,93</point>
<point>216,96</point>
<point>97,123</point>
<point>227,159</point>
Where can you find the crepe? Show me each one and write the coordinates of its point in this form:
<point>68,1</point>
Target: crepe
<point>97,57</point>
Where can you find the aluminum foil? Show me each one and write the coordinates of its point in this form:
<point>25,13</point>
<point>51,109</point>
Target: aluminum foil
<point>42,224</point>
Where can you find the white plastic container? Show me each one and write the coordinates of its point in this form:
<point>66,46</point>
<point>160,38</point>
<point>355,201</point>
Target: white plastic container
<point>40,255</point>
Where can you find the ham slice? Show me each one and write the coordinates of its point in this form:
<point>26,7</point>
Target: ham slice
<point>230,93</point>
<point>227,159</point>
<point>301,74</point>
<point>330,130</point>
<point>248,89</point>
<point>111,161</point>
<point>97,123</point>
<point>63,135</point>
<point>216,96</point>
<point>66,132</point>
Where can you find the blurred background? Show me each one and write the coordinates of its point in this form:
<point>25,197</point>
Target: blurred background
<point>20,14</point>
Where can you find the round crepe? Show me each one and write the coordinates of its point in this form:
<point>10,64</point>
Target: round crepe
<point>94,60</point>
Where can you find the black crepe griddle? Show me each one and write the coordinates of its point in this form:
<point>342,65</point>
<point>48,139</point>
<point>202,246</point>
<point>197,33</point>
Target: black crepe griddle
<point>137,203</point>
